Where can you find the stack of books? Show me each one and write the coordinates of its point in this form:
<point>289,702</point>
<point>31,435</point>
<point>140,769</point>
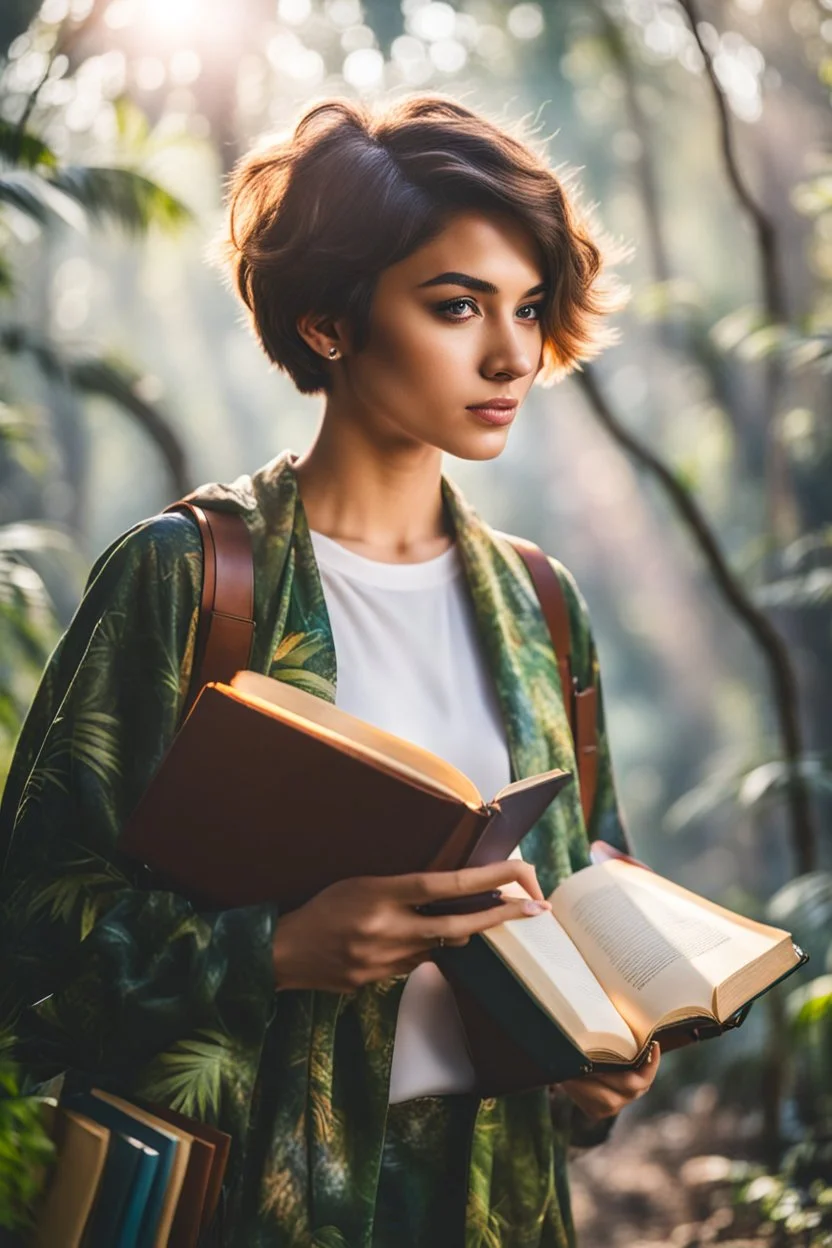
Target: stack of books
<point>128,1177</point>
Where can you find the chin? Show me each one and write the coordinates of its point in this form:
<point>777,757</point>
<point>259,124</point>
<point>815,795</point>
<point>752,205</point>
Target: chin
<point>486,445</point>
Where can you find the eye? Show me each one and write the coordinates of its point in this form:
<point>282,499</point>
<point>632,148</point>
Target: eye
<point>455,303</point>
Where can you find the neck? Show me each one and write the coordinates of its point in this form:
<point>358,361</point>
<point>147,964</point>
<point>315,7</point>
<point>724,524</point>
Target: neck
<point>381,500</point>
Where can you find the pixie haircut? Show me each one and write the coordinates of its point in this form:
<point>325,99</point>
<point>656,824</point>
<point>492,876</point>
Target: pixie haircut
<point>314,218</point>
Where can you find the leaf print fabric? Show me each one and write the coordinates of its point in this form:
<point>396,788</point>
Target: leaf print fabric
<point>115,979</point>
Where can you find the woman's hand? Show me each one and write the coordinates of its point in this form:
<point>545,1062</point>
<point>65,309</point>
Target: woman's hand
<point>602,1095</point>
<point>366,928</point>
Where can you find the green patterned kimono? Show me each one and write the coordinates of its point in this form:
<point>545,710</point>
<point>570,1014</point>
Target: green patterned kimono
<point>134,987</point>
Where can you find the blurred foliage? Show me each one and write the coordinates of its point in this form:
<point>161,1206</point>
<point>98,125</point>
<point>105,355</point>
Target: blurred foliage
<point>25,1147</point>
<point>38,188</point>
<point>794,1206</point>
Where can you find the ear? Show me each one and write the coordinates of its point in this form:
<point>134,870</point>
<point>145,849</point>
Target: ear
<point>321,333</point>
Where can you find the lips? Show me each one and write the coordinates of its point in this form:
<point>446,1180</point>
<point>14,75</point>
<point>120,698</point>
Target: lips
<point>495,411</point>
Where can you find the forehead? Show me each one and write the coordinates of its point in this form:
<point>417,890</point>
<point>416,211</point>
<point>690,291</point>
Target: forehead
<point>496,248</point>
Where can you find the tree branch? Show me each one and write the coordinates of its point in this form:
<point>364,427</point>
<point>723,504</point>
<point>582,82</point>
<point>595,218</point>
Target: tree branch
<point>774,293</point>
<point>774,649</point>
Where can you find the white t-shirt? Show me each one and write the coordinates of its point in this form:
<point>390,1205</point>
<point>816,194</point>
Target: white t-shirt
<point>409,660</point>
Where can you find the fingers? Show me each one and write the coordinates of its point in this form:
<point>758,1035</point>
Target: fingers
<point>422,886</point>
<point>458,927</point>
<point>608,1092</point>
<point>632,1083</point>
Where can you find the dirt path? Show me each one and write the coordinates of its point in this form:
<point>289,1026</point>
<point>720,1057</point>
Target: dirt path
<point>665,1181</point>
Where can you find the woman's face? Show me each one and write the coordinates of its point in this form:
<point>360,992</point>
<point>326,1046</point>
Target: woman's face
<point>437,344</point>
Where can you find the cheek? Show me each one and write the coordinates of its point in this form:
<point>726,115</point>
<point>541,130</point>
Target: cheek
<point>418,354</point>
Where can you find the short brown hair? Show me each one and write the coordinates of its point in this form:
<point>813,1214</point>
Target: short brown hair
<point>314,218</point>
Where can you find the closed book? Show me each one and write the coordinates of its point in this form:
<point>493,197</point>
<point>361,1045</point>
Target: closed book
<point>117,1217</point>
<point>216,1145</point>
<point>624,957</point>
<point>268,793</point>
<point>80,1156</point>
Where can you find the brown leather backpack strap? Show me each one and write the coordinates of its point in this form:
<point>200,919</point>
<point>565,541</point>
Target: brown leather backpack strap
<point>581,704</point>
<point>226,618</point>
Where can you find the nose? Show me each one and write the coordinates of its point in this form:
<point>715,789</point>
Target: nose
<point>511,351</point>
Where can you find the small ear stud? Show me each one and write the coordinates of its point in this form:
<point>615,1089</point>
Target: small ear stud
<point>333,352</point>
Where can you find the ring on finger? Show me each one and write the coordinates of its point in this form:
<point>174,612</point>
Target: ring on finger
<point>440,942</point>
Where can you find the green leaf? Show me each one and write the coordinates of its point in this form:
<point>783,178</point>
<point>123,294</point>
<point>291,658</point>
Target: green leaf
<point>734,328</point>
<point>764,341</point>
<point>122,197</point>
<point>772,779</point>
<point>304,679</point>
<point>38,202</point>
<point>132,125</point>
<point>813,197</point>
<point>299,653</point>
<point>36,535</point>
<point>95,742</point>
<point>660,300</point>
<point>25,150</point>
<point>6,277</point>
<point>63,895</point>
<point>810,1004</point>
<point>804,907</point>
<point>188,1077</point>
<point>810,589</point>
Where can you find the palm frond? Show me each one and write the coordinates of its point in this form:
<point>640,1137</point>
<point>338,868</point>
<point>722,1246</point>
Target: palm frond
<point>21,589</point>
<point>287,645</point>
<point>35,535</point>
<point>189,1076</point>
<point>106,378</point>
<point>73,194</point>
<point>24,150</point>
<point>6,276</point>
<point>121,197</point>
<point>38,200</point>
<point>61,897</point>
<point>293,651</point>
<point>310,681</point>
<point>48,771</point>
<point>132,126</point>
<point>809,589</point>
<point>94,742</point>
<point>19,340</point>
<point>17,429</point>
<point>303,650</point>
<point>113,380</point>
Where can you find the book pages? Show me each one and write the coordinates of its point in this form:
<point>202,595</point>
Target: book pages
<point>541,954</point>
<point>657,949</point>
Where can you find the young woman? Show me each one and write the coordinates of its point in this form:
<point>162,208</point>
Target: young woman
<point>419,267</point>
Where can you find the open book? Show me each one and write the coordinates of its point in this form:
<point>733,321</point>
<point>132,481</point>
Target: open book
<point>623,955</point>
<point>268,793</point>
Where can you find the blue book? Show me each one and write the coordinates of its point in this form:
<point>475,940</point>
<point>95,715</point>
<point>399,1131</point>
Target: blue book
<point>140,1220</point>
<point>120,1200</point>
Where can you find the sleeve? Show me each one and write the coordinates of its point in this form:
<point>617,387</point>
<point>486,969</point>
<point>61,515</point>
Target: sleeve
<point>103,972</point>
<point>606,821</point>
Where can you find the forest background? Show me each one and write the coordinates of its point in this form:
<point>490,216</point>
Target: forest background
<point>685,477</point>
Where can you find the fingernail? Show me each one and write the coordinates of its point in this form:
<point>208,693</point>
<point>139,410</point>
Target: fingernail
<point>534,907</point>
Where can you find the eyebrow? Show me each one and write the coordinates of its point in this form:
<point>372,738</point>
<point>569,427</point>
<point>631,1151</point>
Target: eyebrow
<point>475,283</point>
